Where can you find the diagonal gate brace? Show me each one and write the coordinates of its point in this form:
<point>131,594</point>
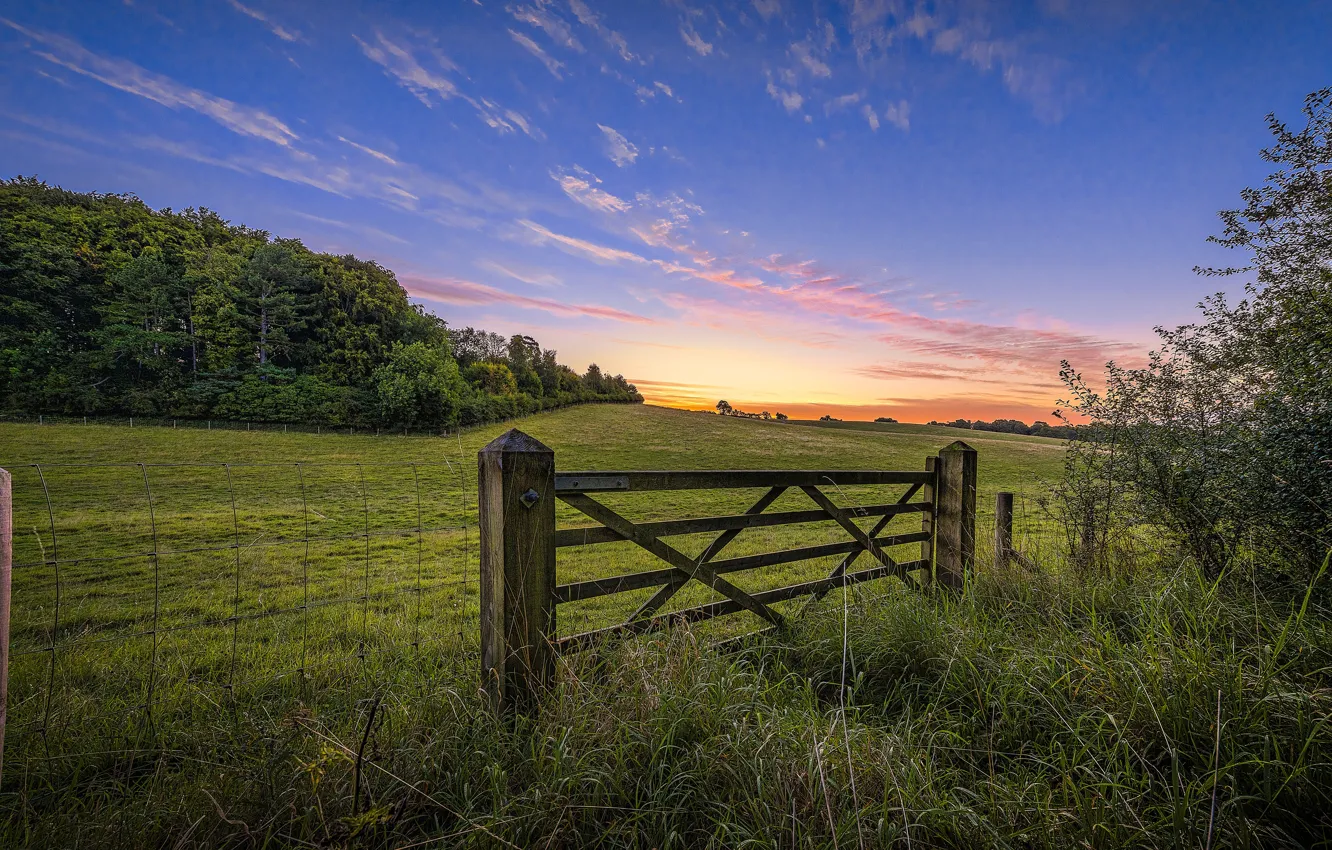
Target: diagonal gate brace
<point>658,599</point>
<point>672,556</point>
<point>851,557</point>
<point>866,541</point>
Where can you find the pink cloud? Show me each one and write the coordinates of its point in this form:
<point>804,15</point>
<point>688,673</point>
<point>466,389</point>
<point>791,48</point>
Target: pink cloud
<point>721,316</point>
<point>1005,346</point>
<point>453,291</point>
<point>581,247</point>
<point>1041,386</point>
<point>723,277</point>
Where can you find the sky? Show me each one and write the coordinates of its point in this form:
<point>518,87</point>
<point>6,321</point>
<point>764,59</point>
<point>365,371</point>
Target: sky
<point>860,208</point>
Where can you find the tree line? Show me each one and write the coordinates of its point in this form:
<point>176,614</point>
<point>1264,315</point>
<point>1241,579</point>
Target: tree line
<point>110,307</point>
<point>724,408</point>
<point>1015,426</point>
<point>1004,426</point>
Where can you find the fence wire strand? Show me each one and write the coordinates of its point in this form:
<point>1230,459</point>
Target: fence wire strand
<point>157,595</point>
<point>55,620</point>
<point>235,607</point>
<point>365,590</point>
<point>123,613</point>
<point>305,569</point>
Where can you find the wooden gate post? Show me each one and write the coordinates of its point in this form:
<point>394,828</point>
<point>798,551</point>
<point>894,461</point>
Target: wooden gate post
<point>955,525</point>
<point>516,501</point>
<point>1003,528</point>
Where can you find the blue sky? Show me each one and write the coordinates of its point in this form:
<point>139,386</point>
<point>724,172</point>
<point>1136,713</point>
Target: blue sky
<point>871,207</point>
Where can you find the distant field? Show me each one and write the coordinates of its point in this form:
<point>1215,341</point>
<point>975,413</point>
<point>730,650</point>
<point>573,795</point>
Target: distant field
<point>235,598</point>
<point>908,428</point>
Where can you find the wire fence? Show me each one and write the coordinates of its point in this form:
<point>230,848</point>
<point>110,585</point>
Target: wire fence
<point>149,597</point>
<point>226,425</point>
<point>144,594</point>
<point>344,429</point>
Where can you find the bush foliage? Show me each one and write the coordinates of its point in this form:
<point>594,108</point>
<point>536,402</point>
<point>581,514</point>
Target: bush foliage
<point>1224,437</point>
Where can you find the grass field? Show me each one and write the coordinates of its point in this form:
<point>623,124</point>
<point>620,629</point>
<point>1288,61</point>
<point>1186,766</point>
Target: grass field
<point>235,619</point>
<point>237,557</point>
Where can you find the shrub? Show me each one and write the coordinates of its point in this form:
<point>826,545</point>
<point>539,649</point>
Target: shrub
<point>1224,437</point>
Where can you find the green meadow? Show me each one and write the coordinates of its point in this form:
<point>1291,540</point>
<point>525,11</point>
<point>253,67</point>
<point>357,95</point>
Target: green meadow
<point>231,638</point>
<point>165,563</point>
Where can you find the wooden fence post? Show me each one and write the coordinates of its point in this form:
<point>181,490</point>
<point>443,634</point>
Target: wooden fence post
<point>516,500</point>
<point>955,526</point>
<point>1003,528</point>
<point>6,567</point>
<point>927,494</point>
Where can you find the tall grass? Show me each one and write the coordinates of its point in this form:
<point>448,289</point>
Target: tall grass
<point>1034,710</point>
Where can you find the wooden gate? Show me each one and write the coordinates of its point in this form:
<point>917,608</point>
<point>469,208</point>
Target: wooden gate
<point>518,486</point>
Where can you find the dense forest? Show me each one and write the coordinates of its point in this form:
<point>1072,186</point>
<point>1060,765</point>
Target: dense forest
<point>110,307</point>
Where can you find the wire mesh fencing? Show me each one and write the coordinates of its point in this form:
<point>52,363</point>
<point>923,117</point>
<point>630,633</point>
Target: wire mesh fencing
<point>150,595</point>
<point>222,425</point>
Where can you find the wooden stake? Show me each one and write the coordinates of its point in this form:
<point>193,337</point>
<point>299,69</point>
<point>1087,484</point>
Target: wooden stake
<point>955,529</point>
<point>1003,528</point>
<point>516,498</point>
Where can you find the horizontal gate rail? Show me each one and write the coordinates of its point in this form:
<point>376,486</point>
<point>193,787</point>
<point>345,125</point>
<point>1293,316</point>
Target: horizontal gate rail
<point>726,606</point>
<point>593,588</point>
<point>519,487</point>
<point>600,534</point>
<point>602,482</point>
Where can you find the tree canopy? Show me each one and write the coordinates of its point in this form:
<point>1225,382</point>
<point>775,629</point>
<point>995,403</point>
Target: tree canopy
<point>110,307</point>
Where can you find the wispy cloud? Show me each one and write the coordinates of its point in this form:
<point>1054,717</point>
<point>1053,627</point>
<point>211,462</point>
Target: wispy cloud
<point>539,15</point>
<point>273,26</point>
<point>128,77</point>
<point>803,52</point>
<point>790,100</point>
<point>362,172</point>
<point>621,151</point>
<point>1032,350</point>
<point>532,278</point>
<point>805,288</point>
<point>964,31</point>
<point>719,315</point>
<point>362,229</point>
<point>577,184</point>
<point>401,62</point>
<point>553,65</point>
<point>578,247</point>
<point>767,9</point>
<point>646,93</point>
<point>465,292</point>
<point>674,386</point>
<point>898,114</point>
<point>379,155</point>
<point>933,371</point>
<point>691,37</point>
<point>839,103</point>
<point>868,112</point>
<point>592,21</point>
<point>183,150</point>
